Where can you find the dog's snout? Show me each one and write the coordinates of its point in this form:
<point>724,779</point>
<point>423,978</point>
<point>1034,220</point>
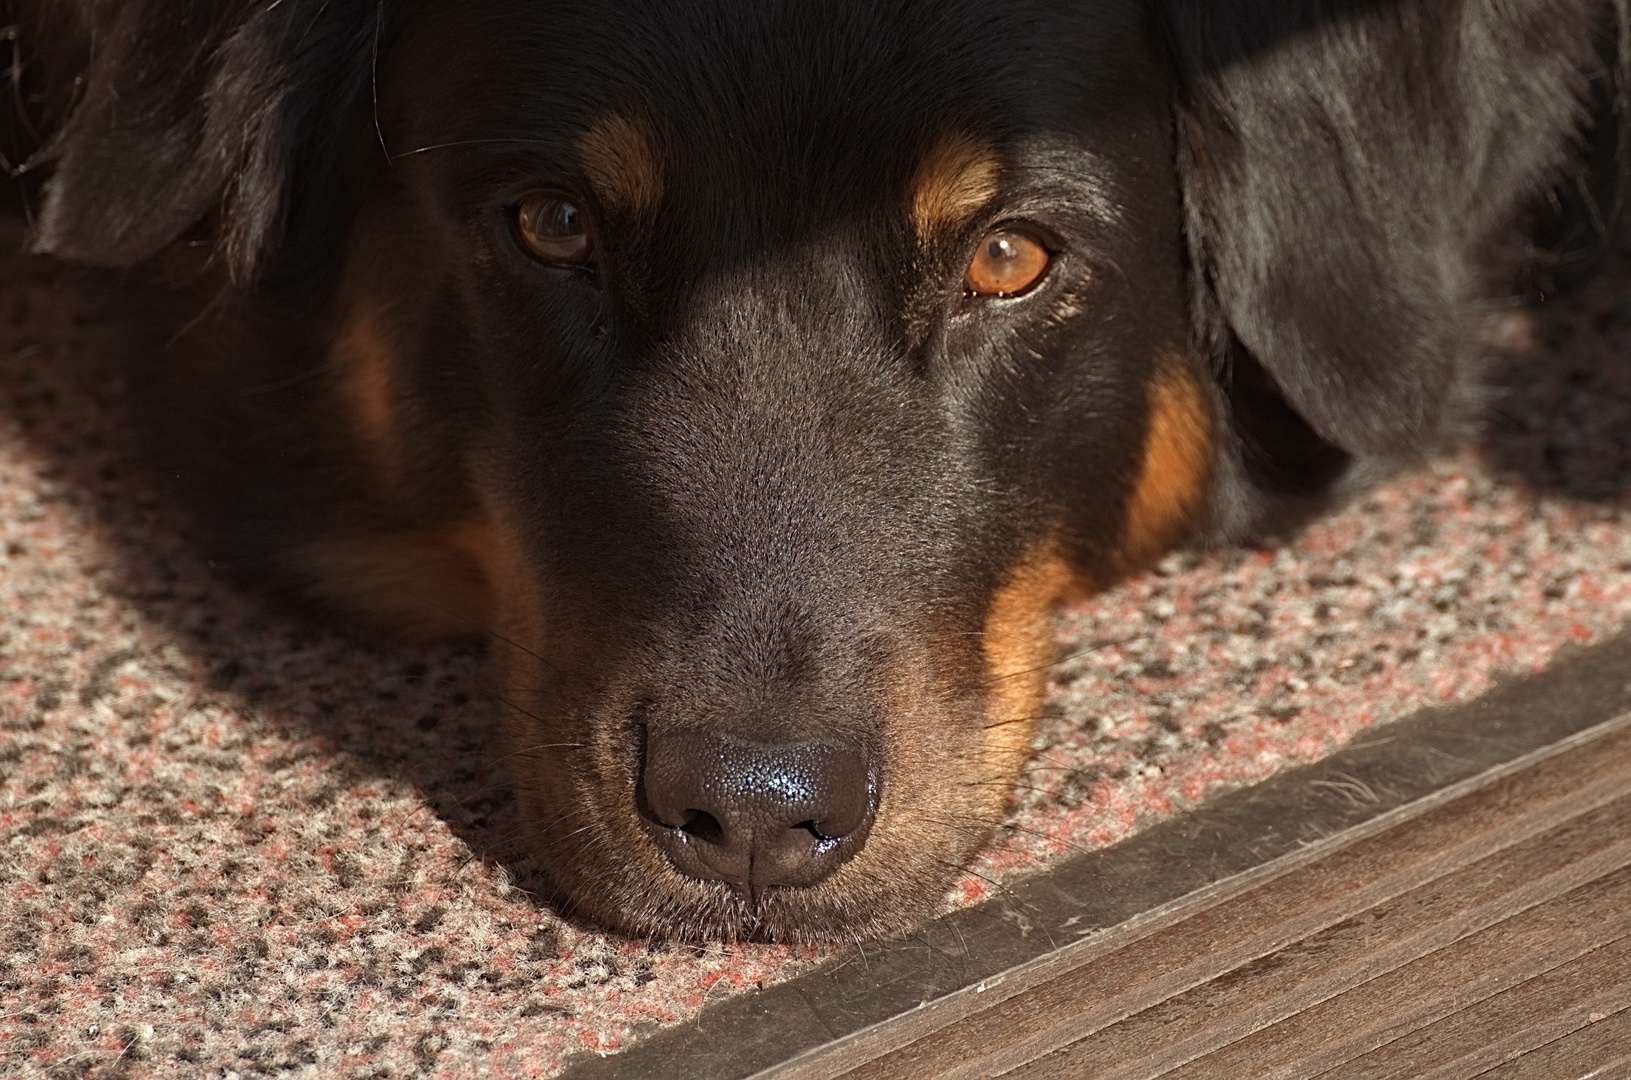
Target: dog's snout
<point>756,814</point>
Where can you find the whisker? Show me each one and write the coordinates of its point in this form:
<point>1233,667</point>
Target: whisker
<point>1000,888</point>
<point>989,823</point>
<point>465,142</point>
<point>1050,664</point>
<point>493,695</point>
<point>1030,718</point>
<point>1039,767</point>
<point>1005,785</point>
<point>484,629</point>
<point>489,852</point>
<point>373,77</point>
<point>192,323</point>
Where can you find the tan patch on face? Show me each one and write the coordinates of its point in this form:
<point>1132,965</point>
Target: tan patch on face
<point>464,579</point>
<point>365,359</point>
<point>1177,464</point>
<point>954,181</point>
<point>517,619</point>
<point>1019,647</point>
<point>622,159</point>
<point>429,584</point>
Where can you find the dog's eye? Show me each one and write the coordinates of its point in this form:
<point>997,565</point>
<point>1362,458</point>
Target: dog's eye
<point>554,228</point>
<point>1008,261</point>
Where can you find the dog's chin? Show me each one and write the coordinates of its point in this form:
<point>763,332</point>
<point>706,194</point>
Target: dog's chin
<point>648,898</point>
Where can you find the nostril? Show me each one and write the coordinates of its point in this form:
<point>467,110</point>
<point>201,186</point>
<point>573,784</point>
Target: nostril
<point>703,826</point>
<point>845,803</point>
<point>823,841</point>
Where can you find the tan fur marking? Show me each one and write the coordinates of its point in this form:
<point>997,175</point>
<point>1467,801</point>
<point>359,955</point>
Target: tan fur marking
<point>1177,460</point>
<point>430,584</point>
<point>620,155</point>
<point>953,182</point>
<point>1019,646</point>
<point>464,579</point>
<point>364,357</point>
<point>517,621</point>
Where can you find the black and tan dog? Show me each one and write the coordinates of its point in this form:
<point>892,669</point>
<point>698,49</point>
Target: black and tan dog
<point>759,373</point>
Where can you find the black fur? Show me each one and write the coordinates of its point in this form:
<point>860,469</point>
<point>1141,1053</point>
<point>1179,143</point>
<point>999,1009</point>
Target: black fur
<point>1350,167</point>
<point>190,109</point>
<point>767,467</point>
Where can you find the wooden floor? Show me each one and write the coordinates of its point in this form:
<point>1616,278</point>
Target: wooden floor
<point>1449,899</point>
<point>1485,935</point>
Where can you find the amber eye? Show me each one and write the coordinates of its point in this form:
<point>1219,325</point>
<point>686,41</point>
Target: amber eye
<point>1008,261</point>
<point>554,228</point>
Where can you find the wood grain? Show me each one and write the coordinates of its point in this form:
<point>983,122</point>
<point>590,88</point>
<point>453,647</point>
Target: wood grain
<point>1437,985</point>
<point>1523,1018</point>
<point>1235,1010</point>
<point>1601,1051</point>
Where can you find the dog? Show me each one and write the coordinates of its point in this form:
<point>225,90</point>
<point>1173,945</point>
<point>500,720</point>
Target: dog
<point>758,376</point>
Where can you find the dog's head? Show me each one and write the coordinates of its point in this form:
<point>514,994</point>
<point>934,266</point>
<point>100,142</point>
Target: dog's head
<point>760,376</point>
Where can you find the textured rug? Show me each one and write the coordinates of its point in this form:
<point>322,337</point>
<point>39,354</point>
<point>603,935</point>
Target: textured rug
<point>235,841</point>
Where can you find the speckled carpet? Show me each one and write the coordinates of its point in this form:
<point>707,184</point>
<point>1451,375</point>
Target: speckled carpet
<point>235,841</point>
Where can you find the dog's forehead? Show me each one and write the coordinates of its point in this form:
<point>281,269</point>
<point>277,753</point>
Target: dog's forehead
<point>796,100</point>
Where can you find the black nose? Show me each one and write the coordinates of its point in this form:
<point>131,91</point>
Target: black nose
<point>756,814</point>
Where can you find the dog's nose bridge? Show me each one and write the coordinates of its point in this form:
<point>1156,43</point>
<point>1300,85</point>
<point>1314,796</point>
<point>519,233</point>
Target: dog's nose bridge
<point>757,814</point>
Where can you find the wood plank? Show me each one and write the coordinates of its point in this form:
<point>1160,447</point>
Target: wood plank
<point>1273,913</point>
<point>1340,1029</point>
<point>1514,1022</point>
<point>1308,1041</point>
<point>1599,1051</point>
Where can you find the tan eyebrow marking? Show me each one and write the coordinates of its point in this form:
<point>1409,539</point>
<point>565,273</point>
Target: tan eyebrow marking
<point>623,161</point>
<point>953,182</point>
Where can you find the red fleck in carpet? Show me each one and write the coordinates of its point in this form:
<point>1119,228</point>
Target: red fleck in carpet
<point>236,841</point>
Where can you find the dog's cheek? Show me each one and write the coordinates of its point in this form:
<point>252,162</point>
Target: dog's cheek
<point>1162,508</point>
<point>951,774</point>
<point>420,585</point>
<point>551,751</point>
<point>1018,644</point>
<point>1169,491</point>
<point>569,766</point>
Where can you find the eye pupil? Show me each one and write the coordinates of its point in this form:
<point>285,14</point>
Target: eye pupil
<point>566,219</point>
<point>554,229</point>
<point>1007,262</point>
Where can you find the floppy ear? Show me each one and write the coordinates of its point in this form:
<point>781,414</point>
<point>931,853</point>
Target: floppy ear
<point>189,106</point>
<point>1345,166</point>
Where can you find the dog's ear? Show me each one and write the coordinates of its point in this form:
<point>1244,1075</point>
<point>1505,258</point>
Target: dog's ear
<point>1345,165</point>
<point>191,107</point>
